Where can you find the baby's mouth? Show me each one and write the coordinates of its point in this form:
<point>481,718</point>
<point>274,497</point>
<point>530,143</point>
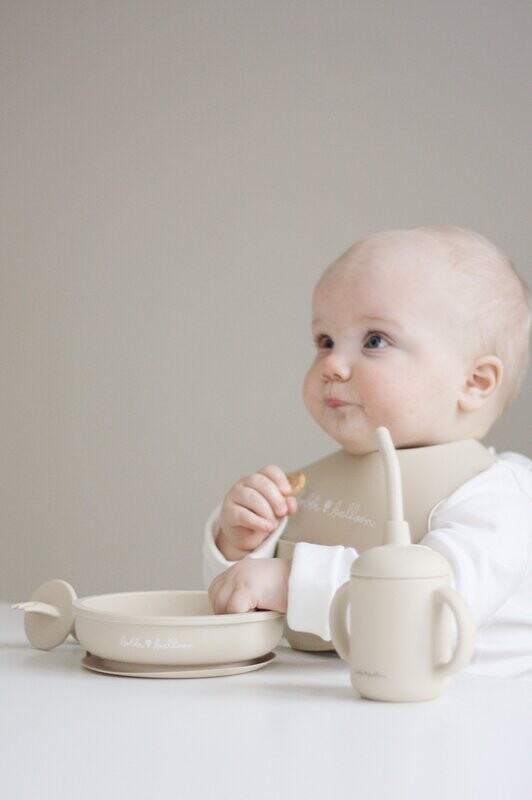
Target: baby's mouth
<point>333,402</point>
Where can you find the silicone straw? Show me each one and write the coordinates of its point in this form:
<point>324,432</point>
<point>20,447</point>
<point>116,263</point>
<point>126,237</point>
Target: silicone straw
<point>396,530</point>
<point>393,475</point>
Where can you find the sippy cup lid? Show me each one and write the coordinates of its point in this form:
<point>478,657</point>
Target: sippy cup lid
<point>400,561</point>
<point>49,617</point>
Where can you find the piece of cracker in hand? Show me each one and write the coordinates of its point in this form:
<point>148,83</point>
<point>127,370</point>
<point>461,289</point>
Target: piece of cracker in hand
<point>297,481</point>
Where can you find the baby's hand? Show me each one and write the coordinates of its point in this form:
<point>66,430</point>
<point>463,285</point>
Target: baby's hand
<point>253,583</point>
<point>252,509</point>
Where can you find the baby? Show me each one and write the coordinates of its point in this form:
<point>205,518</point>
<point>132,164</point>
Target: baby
<point>425,332</point>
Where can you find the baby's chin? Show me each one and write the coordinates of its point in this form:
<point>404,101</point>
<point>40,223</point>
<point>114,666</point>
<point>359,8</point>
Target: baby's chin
<point>360,442</point>
<point>359,448</point>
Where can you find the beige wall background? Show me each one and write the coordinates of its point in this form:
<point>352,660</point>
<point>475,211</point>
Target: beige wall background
<point>175,176</point>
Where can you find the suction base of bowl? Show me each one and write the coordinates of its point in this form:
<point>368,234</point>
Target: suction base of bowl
<point>125,670</point>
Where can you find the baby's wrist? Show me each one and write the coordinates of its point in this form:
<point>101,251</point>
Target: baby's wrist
<point>228,550</point>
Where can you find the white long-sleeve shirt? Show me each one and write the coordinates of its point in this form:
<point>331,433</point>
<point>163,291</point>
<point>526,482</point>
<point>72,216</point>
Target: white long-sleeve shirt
<point>483,529</point>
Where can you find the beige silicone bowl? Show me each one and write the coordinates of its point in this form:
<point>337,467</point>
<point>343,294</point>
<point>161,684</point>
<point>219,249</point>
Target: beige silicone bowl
<point>175,628</point>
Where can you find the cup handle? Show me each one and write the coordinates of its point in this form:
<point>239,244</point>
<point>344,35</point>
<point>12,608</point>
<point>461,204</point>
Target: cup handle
<point>337,621</point>
<point>466,631</point>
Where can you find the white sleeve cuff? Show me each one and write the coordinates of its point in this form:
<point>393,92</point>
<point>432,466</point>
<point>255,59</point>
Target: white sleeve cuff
<point>316,574</point>
<point>213,560</point>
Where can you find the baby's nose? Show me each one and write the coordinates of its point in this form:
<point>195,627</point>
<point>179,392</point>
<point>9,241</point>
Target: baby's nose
<point>336,368</point>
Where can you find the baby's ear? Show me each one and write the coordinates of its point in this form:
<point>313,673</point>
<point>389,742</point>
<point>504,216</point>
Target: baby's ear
<point>484,378</point>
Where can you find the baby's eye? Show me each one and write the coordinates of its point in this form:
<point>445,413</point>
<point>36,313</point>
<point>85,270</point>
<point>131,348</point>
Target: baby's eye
<point>322,340</point>
<point>375,341</point>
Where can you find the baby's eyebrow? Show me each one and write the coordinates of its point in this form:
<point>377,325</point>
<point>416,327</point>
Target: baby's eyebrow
<point>373,319</point>
<point>385,321</point>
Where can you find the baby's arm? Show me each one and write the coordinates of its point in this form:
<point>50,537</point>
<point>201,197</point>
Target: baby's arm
<point>316,574</point>
<point>484,532</point>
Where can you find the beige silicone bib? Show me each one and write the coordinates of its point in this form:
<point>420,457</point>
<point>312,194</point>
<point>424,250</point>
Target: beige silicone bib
<point>344,501</point>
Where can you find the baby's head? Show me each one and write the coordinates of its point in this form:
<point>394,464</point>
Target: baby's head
<point>424,331</point>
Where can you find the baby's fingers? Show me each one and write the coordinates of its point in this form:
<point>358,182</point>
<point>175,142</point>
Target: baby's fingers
<point>239,601</point>
<point>276,474</point>
<point>241,517</point>
<point>214,592</point>
<point>260,494</point>
<point>226,597</point>
<point>220,591</point>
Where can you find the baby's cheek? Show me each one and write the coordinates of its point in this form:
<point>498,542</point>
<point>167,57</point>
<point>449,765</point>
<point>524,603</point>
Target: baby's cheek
<point>389,393</point>
<point>309,392</point>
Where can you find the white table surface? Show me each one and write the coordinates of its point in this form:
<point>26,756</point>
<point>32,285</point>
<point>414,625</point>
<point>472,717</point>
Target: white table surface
<point>294,729</point>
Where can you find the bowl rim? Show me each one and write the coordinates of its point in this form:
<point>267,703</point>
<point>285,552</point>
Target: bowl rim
<point>81,610</point>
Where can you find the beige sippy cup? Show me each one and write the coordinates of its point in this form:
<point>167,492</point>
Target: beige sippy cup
<point>401,607</point>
